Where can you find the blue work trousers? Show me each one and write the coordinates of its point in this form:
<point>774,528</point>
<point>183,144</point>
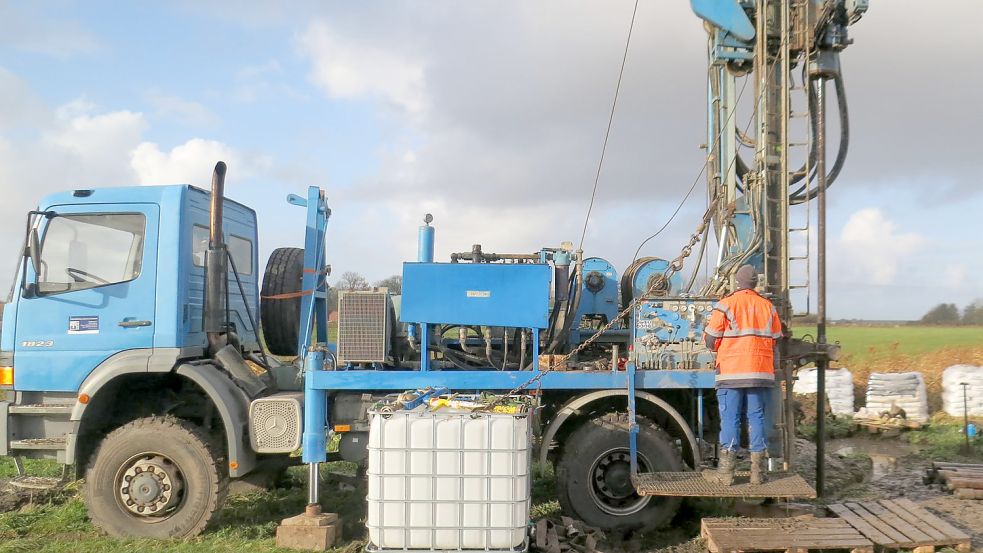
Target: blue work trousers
<point>735,404</point>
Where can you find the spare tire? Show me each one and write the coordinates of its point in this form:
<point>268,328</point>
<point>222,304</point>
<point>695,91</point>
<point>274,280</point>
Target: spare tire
<point>280,309</point>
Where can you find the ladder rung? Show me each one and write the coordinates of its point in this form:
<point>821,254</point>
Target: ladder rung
<point>798,257</point>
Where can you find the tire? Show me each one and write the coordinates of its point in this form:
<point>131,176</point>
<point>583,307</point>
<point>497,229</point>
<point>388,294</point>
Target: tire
<point>593,475</point>
<point>193,473</point>
<point>280,318</point>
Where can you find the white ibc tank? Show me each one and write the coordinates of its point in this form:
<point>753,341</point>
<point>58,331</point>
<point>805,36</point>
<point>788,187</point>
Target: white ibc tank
<point>448,480</point>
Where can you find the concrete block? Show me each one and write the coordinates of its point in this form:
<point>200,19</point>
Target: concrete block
<point>311,531</point>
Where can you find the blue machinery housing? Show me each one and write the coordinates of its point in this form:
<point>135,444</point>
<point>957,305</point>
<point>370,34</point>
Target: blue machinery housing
<point>514,295</point>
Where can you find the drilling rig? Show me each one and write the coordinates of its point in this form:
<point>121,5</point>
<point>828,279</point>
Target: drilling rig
<point>131,344</point>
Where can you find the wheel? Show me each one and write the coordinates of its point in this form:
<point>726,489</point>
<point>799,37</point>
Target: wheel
<point>280,316</point>
<point>594,475</point>
<point>156,477</point>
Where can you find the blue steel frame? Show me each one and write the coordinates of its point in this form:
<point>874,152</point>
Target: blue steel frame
<point>319,383</point>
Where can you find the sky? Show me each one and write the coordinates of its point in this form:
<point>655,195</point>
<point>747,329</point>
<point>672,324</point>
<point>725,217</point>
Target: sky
<point>489,115</point>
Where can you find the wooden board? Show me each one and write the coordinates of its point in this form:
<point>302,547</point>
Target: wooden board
<point>901,524</point>
<point>800,534</point>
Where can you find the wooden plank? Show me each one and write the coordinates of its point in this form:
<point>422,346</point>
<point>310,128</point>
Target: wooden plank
<point>914,534</point>
<point>949,530</point>
<point>968,483</point>
<point>912,519</point>
<point>940,464</point>
<point>866,529</point>
<point>897,538</point>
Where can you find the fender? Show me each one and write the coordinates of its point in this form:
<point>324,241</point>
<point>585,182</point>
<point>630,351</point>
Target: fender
<point>233,406</point>
<point>132,361</point>
<point>572,406</point>
<point>230,402</point>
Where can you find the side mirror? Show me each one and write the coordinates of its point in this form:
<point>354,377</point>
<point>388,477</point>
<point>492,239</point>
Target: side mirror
<point>34,252</point>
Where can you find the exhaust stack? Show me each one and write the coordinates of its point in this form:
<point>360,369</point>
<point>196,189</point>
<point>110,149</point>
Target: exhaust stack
<point>216,268</point>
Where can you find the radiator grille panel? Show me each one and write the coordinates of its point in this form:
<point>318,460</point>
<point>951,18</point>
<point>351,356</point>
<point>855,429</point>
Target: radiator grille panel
<point>363,327</point>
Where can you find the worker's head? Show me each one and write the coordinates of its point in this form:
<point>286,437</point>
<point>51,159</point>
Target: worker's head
<point>746,278</point>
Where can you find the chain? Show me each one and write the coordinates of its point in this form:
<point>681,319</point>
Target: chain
<point>675,266</point>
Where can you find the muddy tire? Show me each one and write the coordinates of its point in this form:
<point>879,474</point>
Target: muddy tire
<point>593,475</point>
<point>280,317</point>
<point>156,477</point>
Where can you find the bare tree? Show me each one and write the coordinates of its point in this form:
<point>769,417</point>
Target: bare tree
<point>394,284</point>
<point>350,280</point>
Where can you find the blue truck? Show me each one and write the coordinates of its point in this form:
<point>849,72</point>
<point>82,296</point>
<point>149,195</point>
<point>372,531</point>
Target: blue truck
<point>132,351</point>
<point>144,346</point>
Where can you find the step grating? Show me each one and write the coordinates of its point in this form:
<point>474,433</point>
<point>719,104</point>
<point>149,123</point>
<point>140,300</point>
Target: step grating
<point>782,485</point>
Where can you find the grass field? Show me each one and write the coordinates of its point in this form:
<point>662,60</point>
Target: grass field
<point>861,343</point>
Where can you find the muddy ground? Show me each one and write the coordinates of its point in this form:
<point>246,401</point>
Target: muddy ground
<point>858,469</point>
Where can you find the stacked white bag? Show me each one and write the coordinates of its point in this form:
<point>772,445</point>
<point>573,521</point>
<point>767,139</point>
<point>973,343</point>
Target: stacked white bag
<point>906,390</point>
<point>839,388</point>
<point>952,390</point>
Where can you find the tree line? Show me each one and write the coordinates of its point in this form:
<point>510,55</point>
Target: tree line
<point>352,281</point>
<point>950,314</point>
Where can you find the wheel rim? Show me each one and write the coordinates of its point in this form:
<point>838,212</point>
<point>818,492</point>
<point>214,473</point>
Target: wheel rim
<point>610,482</point>
<point>149,486</point>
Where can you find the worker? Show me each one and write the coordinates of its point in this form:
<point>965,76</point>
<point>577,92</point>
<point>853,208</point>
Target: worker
<point>743,329</point>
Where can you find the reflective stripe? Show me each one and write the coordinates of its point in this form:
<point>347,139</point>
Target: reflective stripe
<point>723,308</point>
<point>761,333</point>
<point>746,376</point>
<point>709,332</point>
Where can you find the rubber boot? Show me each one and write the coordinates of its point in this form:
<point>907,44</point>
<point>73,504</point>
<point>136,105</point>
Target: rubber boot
<point>725,469</point>
<point>758,468</point>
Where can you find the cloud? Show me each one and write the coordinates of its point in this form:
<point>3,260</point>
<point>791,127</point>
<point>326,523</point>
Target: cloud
<point>184,111</point>
<point>81,145</point>
<point>347,68</point>
<point>872,249</point>
<point>191,162</point>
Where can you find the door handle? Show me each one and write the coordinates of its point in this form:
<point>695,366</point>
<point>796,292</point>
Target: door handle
<point>133,324</point>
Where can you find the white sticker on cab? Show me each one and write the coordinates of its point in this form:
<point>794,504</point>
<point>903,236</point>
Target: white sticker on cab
<point>479,293</point>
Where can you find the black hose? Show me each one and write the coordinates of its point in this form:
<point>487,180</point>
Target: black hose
<point>798,197</point>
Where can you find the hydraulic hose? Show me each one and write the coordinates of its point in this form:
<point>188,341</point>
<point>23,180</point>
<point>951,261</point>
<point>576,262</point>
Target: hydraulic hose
<point>801,195</point>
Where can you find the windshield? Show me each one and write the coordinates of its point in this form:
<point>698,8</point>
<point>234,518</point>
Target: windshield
<point>82,251</point>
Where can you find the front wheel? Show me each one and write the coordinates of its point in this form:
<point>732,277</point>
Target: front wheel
<point>594,475</point>
<point>156,477</point>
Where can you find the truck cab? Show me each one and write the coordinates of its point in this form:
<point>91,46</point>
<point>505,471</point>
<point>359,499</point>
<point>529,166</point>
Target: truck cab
<point>105,330</point>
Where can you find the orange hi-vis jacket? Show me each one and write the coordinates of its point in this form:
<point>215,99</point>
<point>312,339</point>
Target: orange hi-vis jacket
<point>745,326</point>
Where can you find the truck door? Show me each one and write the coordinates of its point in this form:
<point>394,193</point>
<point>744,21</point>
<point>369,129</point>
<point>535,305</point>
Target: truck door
<point>94,296</point>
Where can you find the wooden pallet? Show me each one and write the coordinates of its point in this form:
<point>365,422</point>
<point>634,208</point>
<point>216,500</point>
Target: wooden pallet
<point>901,524</point>
<point>792,535</point>
<point>887,427</point>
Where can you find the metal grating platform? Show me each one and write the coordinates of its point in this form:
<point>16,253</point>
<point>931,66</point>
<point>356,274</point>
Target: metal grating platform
<point>692,484</point>
<point>727,535</point>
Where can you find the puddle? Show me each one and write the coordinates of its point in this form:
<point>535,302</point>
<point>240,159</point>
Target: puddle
<point>883,465</point>
<point>883,455</point>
